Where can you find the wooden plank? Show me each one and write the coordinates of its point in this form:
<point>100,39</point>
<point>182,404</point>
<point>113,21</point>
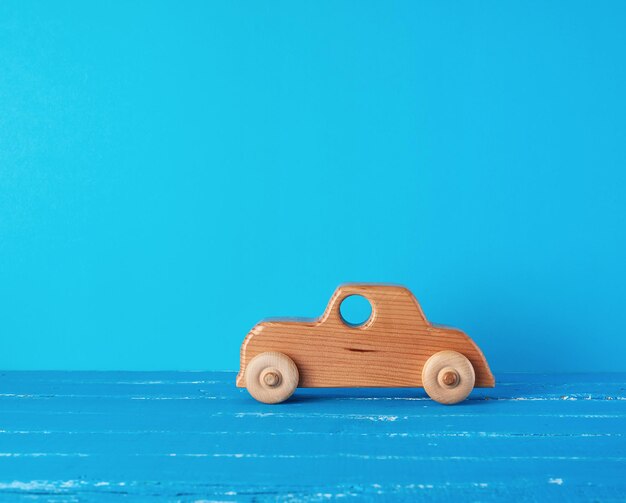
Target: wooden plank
<point>312,475</point>
<point>195,436</point>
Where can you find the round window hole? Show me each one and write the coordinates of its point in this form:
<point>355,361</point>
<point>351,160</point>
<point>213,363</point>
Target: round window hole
<point>355,310</point>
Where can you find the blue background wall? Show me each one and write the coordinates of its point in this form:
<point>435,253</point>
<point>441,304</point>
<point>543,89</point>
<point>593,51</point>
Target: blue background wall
<point>172,172</point>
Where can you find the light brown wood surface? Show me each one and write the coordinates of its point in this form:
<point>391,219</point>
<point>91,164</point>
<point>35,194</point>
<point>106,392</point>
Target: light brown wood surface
<point>271,377</point>
<point>448,377</point>
<point>389,350</point>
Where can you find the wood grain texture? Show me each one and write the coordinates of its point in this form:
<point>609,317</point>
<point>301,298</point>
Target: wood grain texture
<point>389,350</point>
<point>190,436</point>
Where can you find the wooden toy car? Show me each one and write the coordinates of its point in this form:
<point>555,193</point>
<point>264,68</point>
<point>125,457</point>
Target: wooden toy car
<point>395,347</point>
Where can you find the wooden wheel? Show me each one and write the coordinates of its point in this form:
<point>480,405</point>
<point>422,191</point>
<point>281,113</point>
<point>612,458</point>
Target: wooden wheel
<point>271,377</point>
<point>448,377</point>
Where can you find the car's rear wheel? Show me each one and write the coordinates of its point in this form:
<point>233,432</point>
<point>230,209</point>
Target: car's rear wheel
<point>448,377</point>
<point>271,377</point>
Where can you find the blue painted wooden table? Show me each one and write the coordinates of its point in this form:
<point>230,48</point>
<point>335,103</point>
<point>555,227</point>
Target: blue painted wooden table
<point>76,436</point>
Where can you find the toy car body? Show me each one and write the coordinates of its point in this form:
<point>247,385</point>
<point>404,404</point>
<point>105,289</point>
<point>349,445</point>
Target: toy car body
<point>391,349</point>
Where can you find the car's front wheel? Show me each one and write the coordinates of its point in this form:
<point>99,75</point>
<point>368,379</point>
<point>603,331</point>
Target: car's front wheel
<point>271,377</point>
<point>448,377</point>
